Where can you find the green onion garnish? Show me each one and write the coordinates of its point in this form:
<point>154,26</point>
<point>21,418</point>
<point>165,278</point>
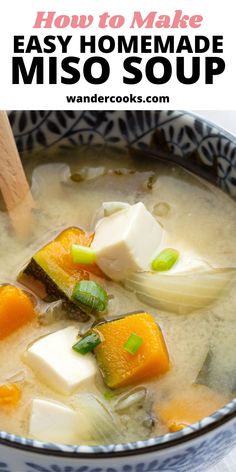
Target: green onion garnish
<point>165,260</point>
<point>90,294</point>
<point>87,343</point>
<point>109,395</point>
<point>133,343</point>
<point>82,254</point>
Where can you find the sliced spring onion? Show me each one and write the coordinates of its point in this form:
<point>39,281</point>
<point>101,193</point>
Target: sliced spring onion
<point>87,343</point>
<point>90,294</point>
<point>109,395</point>
<point>82,254</point>
<point>165,260</point>
<point>161,209</point>
<point>133,343</point>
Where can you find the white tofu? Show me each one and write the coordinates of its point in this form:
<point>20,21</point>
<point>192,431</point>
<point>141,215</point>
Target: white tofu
<point>54,361</point>
<point>126,241</point>
<point>53,422</point>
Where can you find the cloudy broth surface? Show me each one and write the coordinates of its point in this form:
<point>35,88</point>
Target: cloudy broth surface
<point>191,211</point>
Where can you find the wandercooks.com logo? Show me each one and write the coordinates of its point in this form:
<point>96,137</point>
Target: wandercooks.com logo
<point>117,99</point>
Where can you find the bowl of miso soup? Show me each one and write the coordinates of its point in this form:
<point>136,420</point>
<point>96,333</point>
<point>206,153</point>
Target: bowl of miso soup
<point>117,305</point>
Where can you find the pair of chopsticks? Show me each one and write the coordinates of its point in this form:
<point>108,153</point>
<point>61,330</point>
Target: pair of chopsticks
<point>13,183</point>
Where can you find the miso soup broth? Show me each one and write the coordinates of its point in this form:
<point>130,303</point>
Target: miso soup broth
<point>160,337</point>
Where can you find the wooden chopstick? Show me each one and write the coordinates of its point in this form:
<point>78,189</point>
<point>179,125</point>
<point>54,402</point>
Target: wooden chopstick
<point>13,183</point>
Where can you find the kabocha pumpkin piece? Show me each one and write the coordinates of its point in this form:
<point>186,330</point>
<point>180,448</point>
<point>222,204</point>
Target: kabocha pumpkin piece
<point>132,350</point>
<point>189,406</point>
<point>16,309</point>
<point>51,272</point>
<point>10,395</point>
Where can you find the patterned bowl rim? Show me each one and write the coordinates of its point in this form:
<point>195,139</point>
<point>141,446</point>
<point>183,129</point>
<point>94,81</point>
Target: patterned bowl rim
<point>223,131</point>
<point>154,444</point>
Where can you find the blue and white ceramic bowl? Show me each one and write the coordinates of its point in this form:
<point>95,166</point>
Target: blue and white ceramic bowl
<point>210,151</point>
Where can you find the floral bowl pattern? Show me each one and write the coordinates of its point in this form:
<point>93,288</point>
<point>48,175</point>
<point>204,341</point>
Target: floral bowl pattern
<point>209,151</point>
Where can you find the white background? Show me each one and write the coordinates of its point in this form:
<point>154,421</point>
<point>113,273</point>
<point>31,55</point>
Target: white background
<point>17,18</point>
<point>224,118</point>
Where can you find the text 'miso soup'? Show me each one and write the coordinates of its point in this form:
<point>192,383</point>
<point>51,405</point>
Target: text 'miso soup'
<point>117,311</point>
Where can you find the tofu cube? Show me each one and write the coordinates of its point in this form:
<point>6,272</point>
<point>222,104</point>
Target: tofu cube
<point>54,361</point>
<point>53,422</point>
<point>126,241</point>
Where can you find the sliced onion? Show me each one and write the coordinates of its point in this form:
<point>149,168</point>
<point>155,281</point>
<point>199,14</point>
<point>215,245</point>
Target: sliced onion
<point>88,173</point>
<point>15,376</point>
<point>50,312</point>
<point>97,422</point>
<point>134,409</point>
<point>181,293</point>
<point>133,397</point>
<point>42,176</point>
